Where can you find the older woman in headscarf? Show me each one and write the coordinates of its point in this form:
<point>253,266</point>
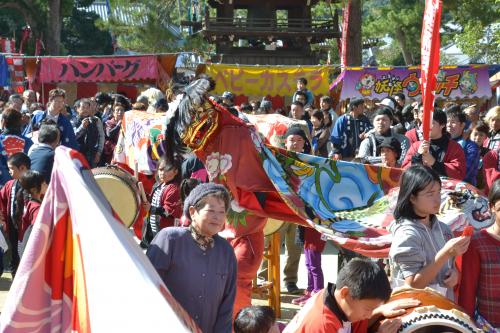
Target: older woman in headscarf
<point>197,265</point>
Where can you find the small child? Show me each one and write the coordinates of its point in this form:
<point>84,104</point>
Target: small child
<point>479,135</point>
<point>256,319</point>
<point>479,286</point>
<point>18,164</point>
<point>165,205</point>
<point>28,204</point>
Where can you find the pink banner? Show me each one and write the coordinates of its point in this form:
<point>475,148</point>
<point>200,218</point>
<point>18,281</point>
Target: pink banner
<point>430,60</point>
<point>99,69</point>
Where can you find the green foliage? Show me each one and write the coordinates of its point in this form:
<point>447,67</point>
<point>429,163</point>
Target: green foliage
<point>153,27</point>
<point>477,28</point>
<point>80,36</point>
<point>400,20</point>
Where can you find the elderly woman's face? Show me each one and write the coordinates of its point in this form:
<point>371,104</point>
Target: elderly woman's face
<point>210,218</point>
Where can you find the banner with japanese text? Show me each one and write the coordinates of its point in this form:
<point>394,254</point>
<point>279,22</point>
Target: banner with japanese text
<point>268,80</point>
<point>99,69</point>
<point>452,82</point>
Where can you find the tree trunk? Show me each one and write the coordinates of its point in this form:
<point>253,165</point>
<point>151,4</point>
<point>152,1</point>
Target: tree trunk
<point>54,27</point>
<point>401,38</point>
<point>354,44</point>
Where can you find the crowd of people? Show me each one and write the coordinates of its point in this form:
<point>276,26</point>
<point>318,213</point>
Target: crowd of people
<point>186,212</point>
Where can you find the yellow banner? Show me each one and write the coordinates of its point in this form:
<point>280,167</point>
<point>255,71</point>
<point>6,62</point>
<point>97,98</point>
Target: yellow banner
<point>268,80</point>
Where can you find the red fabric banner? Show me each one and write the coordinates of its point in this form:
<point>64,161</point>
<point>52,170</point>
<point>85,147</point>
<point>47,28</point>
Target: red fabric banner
<point>430,60</point>
<point>345,32</point>
<point>101,69</point>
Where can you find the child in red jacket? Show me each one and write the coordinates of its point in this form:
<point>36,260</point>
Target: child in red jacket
<point>165,205</point>
<point>18,164</point>
<point>28,204</point>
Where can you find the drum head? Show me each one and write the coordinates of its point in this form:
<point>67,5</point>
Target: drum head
<point>272,226</point>
<point>121,197</point>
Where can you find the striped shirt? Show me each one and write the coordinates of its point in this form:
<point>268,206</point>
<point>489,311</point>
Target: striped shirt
<point>480,285</point>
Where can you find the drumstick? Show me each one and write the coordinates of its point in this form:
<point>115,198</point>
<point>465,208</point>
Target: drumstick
<point>142,192</point>
<point>136,171</point>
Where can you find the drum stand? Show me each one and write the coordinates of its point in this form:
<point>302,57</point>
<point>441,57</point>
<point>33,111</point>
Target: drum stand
<point>273,287</point>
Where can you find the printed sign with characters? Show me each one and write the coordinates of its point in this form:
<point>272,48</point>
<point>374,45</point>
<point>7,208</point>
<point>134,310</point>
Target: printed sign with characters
<point>452,82</point>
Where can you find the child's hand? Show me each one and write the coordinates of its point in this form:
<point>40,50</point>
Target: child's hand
<point>390,326</point>
<point>452,279</point>
<point>397,307</point>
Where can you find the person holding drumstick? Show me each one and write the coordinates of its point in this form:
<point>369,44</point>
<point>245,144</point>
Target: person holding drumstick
<point>423,248</point>
<point>196,264</point>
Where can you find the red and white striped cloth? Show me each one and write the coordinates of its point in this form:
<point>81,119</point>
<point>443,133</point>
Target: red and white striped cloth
<point>16,69</point>
<point>7,45</point>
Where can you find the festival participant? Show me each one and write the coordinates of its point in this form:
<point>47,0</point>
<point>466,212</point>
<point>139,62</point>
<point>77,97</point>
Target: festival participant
<point>473,115</point>
<point>368,150</point>
<point>18,164</point>
<point>112,132</point>
<point>352,304</point>
<point>266,107</point>
<point>389,151</point>
<point>42,155</point>
<point>197,265</point>
<point>423,248</point>
<point>491,165</point>
<point>11,140</point>
<point>320,134</point>
<point>164,206</point>
<point>28,203</point>
<point>414,133</point>
<point>15,102</point>
<point>29,97</point>
<point>297,112</point>
<point>301,97</point>
<point>455,127</point>
<point>87,132</point>
<point>256,319</point>
<point>480,285</point>
<point>302,86</point>
<point>228,99</point>
<point>313,248</point>
<point>54,108</point>
<point>442,154</point>
<point>479,134</point>
<point>349,130</point>
<point>492,118</point>
<point>326,105</point>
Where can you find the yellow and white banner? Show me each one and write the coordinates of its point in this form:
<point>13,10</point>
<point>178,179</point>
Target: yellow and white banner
<point>268,80</point>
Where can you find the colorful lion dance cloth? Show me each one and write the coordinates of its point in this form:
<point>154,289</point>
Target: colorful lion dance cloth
<point>349,203</point>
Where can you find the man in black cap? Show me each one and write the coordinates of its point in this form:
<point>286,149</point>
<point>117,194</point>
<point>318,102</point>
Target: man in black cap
<point>382,120</point>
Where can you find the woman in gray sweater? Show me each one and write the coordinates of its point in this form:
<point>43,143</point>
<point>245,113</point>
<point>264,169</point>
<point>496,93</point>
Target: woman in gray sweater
<point>423,248</point>
<point>198,266</point>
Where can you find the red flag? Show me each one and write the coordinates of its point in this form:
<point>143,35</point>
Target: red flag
<point>430,60</point>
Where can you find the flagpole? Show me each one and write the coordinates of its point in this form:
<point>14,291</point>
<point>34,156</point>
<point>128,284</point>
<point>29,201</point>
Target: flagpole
<point>430,45</point>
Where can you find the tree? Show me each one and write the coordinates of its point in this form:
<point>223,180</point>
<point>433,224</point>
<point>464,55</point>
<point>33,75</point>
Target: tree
<point>475,28</point>
<point>44,17</point>
<point>80,35</point>
<point>151,27</point>
<point>400,20</point>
